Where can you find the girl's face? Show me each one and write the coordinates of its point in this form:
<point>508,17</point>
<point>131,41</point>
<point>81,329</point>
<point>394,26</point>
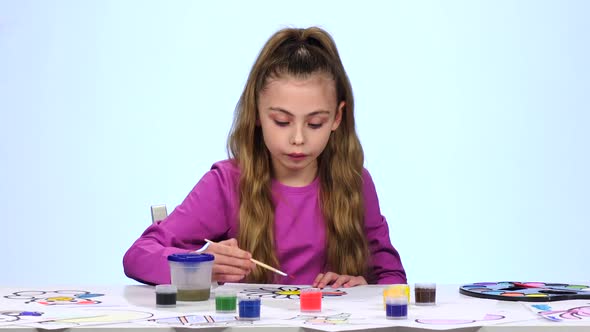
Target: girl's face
<point>297,116</point>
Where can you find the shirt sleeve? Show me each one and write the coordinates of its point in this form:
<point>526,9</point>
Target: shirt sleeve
<point>386,266</point>
<point>204,214</point>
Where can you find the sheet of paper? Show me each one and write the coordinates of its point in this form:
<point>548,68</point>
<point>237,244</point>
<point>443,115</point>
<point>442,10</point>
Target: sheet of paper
<point>342,309</point>
<point>570,311</point>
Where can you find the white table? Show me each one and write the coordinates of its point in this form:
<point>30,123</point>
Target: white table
<point>364,304</point>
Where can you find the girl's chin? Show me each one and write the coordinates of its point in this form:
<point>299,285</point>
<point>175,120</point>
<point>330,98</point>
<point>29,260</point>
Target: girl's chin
<point>296,164</point>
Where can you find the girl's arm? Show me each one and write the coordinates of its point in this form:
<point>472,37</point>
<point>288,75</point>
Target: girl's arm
<point>386,266</point>
<point>207,212</point>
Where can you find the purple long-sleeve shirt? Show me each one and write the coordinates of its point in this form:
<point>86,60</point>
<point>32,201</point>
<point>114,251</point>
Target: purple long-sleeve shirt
<point>210,211</point>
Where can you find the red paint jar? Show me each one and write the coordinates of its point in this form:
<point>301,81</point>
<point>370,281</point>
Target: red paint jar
<point>311,299</point>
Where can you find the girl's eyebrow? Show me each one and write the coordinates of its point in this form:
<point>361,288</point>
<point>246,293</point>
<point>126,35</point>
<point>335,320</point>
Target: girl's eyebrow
<point>318,112</point>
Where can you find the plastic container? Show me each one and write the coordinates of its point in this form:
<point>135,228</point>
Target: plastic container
<point>166,296</point>
<point>310,300</point>
<point>396,307</point>
<point>225,300</point>
<point>191,274</point>
<point>425,293</point>
<point>249,307</point>
<point>396,290</point>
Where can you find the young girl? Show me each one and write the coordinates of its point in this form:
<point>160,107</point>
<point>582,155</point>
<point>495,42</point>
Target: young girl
<point>294,193</point>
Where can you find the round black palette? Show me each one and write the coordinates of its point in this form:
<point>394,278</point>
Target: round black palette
<point>526,291</point>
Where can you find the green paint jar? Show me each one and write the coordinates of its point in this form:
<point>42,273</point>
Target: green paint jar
<point>225,300</point>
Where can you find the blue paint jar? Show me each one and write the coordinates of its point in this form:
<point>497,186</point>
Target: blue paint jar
<point>396,307</point>
<point>249,307</point>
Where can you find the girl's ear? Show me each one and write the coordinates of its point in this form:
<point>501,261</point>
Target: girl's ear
<point>338,118</point>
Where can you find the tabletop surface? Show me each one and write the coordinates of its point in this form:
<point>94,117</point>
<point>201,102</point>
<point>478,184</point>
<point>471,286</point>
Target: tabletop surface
<point>359,308</point>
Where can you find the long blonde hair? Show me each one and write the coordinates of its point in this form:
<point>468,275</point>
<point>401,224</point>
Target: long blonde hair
<point>300,53</point>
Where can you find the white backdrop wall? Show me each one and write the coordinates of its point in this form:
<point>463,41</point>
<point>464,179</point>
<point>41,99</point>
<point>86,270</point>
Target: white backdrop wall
<point>474,117</point>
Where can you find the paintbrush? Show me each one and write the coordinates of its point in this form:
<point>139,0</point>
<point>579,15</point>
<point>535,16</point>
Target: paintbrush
<point>266,266</point>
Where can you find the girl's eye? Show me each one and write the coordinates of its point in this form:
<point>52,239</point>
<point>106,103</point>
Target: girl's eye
<point>282,123</point>
<point>315,125</point>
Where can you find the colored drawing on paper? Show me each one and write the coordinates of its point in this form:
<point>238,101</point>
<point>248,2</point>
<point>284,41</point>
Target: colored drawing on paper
<point>12,316</point>
<point>553,314</point>
<point>57,297</point>
<point>285,292</point>
<point>338,319</point>
<point>526,291</point>
<point>195,320</point>
<point>102,316</point>
<point>439,321</point>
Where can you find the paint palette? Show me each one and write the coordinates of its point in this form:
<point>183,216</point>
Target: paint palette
<point>526,291</point>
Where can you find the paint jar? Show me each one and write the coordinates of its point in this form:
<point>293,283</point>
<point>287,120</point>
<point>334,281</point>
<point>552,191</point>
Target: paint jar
<point>225,300</point>
<point>396,290</point>
<point>425,293</point>
<point>396,307</point>
<point>249,307</point>
<point>191,274</point>
<point>166,296</point>
<point>310,299</point>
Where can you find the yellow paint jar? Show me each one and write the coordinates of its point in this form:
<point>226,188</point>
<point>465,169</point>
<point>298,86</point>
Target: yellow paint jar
<point>396,290</point>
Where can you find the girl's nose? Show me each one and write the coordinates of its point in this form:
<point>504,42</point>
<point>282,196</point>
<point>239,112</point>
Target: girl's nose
<point>297,137</point>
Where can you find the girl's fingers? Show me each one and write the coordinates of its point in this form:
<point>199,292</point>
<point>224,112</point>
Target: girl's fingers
<point>341,280</point>
<point>229,242</point>
<point>317,279</point>
<point>229,248</point>
<point>327,279</point>
<point>355,281</point>
<point>228,253</point>
<point>228,269</point>
<point>227,277</point>
<point>228,273</point>
<point>337,280</point>
<point>243,264</point>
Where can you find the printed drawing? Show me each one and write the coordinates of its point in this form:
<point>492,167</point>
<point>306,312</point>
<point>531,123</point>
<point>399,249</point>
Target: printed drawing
<point>443,321</point>
<point>101,316</point>
<point>58,297</point>
<point>285,292</point>
<point>195,320</point>
<point>576,313</point>
<point>12,316</point>
<point>338,319</point>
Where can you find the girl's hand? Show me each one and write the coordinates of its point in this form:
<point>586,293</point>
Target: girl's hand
<point>337,280</point>
<point>231,263</point>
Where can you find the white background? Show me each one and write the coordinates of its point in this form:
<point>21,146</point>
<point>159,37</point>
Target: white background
<point>474,117</point>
